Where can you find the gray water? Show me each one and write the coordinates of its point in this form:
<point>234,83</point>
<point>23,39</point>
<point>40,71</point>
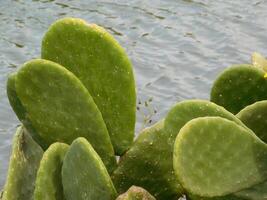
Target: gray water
<point>177,47</point>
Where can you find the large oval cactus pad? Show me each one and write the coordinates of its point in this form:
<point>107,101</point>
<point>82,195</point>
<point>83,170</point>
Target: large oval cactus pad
<point>24,163</point>
<point>255,118</point>
<point>239,86</point>
<point>20,110</point>
<point>136,193</point>
<point>48,184</point>
<point>60,108</point>
<point>215,157</point>
<point>97,59</point>
<point>84,175</point>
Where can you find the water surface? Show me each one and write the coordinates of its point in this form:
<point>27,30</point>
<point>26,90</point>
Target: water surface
<point>177,47</point>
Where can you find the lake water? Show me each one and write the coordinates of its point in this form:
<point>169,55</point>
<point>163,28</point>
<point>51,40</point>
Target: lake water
<point>177,47</point>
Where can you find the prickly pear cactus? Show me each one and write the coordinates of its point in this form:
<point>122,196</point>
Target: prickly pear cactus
<point>238,87</point>
<point>23,166</point>
<point>20,110</point>
<point>143,164</point>
<point>48,184</point>
<point>60,108</point>
<point>254,117</point>
<point>84,175</point>
<point>136,193</point>
<point>214,156</point>
<point>97,59</point>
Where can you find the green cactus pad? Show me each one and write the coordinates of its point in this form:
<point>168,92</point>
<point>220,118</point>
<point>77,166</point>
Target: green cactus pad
<point>84,175</point>
<point>48,185</point>
<point>214,156</point>
<point>60,108</point>
<point>98,60</point>
<point>23,166</point>
<point>187,110</point>
<point>143,164</point>
<point>146,164</point>
<point>255,117</point>
<point>238,87</point>
<point>20,110</point>
<point>136,193</point>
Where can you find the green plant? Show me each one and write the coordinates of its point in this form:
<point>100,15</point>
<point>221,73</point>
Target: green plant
<point>156,143</point>
<point>102,65</point>
<point>84,175</point>
<point>82,93</point>
<point>60,108</point>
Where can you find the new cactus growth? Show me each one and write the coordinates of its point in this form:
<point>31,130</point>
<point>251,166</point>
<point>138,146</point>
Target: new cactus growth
<point>23,166</point>
<point>144,161</point>
<point>136,193</point>
<point>84,175</point>
<point>48,185</point>
<point>60,108</point>
<point>238,87</point>
<point>259,61</point>
<point>102,65</point>
<point>254,117</point>
<point>214,156</point>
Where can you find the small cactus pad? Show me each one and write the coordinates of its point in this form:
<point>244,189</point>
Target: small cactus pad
<point>238,87</point>
<point>60,108</point>
<point>147,164</point>
<point>84,175</point>
<point>255,117</point>
<point>102,65</point>
<point>48,185</point>
<point>20,110</point>
<point>23,166</point>
<point>136,193</point>
<point>214,156</point>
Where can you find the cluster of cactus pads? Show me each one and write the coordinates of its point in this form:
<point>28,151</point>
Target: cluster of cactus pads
<point>77,107</point>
